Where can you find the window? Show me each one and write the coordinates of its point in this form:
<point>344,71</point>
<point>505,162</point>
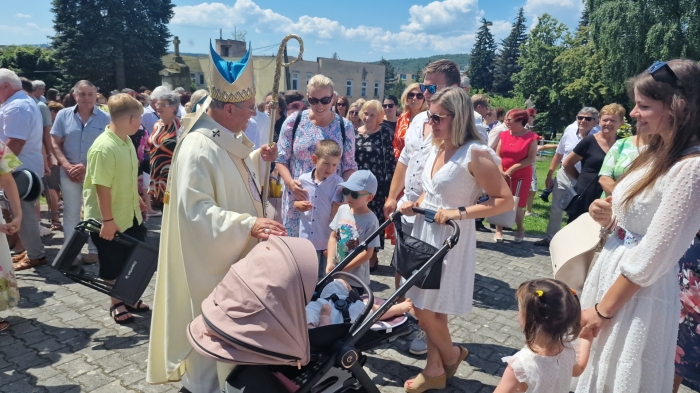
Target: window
<point>225,51</point>
<point>201,78</point>
<point>364,89</point>
<point>295,80</point>
<point>192,75</point>
<point>348,88</point>
<point>309,75</point>
<point>403,77</point>
<point>376,89</point>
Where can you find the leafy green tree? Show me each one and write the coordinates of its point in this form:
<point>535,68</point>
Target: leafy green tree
<point>396,90</point>
<point>540,74</point>
<point>33,63</point>
<point>112,43</point>
<point>631,34</point>
<point>390,78</point>
<point>507,62</point>
<point>483,58</point>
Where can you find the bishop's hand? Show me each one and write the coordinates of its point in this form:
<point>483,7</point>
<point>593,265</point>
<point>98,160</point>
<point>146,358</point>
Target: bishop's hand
<point>264,227</point>
<point>269,152</point>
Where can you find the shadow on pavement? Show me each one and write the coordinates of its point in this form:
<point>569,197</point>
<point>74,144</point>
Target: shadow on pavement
<point>487,357</point>
<point>493,294</point>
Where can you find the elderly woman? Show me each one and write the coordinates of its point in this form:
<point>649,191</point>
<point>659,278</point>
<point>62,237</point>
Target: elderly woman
<point>162,141</point>
<point>517,148</point>
<point>413,103</point>
<point>590,152</point>
<point>341,106</point>
<point>390,106</point>
<point>374,152</point>
<point>354,114</point>
<point>297,142</point>
<point>458,167</point>
<point>618,160</point>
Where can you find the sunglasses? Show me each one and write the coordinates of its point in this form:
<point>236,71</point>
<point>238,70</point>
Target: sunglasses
<point>353,113</point>
<point>324,100</point>
<point>341,104</point>
<point>436,118</point>
<point>354,194</point>
<point>411,96</point>
<point>432,89</point>
<point>586,118</point>
<point>660,71</point>
<point>388,106</point>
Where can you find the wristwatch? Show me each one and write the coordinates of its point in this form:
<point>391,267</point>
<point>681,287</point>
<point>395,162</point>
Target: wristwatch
<point>462,212</point>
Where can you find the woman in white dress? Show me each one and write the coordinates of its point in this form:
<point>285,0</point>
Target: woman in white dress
<point>457,169</point>
<point>630,299</point>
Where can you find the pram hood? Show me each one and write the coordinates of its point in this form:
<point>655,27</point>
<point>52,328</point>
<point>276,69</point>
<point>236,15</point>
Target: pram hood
<point>256,315</point>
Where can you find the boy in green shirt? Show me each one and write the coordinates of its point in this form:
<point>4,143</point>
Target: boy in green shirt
<point>111,194</point>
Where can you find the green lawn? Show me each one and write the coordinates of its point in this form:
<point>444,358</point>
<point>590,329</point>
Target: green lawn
<point>538,225</point>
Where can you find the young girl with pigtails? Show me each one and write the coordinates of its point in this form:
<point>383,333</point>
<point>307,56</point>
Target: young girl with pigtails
<point>550,316</point>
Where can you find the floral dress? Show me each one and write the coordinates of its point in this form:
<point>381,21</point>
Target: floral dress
<point>688,347</point>
<point>375,153</point>
<point>296,155</point>
<point>9,294</point>
<point>163,142</point>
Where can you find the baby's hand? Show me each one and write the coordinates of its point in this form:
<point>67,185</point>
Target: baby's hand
<point>303,206</point>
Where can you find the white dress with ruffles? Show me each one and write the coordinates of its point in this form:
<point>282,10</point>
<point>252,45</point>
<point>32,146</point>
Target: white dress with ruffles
<point>451,187</point>
<point>543,374</point>
<point>636,351</point>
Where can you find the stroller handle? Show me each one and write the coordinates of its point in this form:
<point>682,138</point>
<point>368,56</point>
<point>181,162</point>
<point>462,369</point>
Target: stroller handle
<point>429,217</point>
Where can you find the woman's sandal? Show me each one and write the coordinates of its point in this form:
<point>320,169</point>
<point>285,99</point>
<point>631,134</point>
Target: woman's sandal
<point>136,308</point>
<point>4,324</point>
<point>452,370</point>
<point>421,384</point>
<point>121,314</point>
<point>56,222</point>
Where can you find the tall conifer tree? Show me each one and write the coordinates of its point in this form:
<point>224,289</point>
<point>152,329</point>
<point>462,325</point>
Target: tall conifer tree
<point>507,62</point>
<point>483,58</point>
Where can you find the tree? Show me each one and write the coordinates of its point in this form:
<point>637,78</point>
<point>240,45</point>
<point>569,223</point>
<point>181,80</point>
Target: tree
<point>112,43</point>
<point>33,63</point>
<point>335,56</point>
<point>633,34</point>
<point>539,74</point>
<point>239,35</point>
<point>483,57</point>
<point>507,62</point>
<point>390,78</point>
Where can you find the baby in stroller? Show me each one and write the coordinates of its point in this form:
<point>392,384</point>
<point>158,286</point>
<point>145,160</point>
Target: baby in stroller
<point>339,303</point>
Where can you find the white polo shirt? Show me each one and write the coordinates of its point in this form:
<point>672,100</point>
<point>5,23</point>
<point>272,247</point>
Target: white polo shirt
<point>20,118</point>
<point>570,139</point>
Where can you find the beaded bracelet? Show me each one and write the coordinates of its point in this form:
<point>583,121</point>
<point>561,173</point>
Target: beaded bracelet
<point>111,219</point>
<point>599,314</point>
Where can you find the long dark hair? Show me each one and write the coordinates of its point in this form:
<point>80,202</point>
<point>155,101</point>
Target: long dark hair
<point>551,311</point>
<point>682,99</point>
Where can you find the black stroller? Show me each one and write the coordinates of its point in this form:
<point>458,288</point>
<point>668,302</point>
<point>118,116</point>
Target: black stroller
<point>337,358</point>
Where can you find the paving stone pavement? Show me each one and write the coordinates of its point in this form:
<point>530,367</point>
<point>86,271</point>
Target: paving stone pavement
<point>62,338</point>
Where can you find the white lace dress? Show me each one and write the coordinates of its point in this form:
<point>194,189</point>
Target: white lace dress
<point>451,187</point>
<point>635,352</point>
<point>543,374</point>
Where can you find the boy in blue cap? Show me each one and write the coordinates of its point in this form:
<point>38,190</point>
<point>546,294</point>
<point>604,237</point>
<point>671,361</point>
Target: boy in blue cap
<point>352,224</point>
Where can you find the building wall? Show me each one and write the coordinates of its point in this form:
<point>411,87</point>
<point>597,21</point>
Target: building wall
<point>301,72</point>
<point>347,76</point>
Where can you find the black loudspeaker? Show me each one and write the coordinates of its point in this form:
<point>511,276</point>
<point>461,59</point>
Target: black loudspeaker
<point>134,277</point>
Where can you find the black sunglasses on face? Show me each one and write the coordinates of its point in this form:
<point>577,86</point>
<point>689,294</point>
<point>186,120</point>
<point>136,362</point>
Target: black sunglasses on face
<point>324,100</point>
<point>586,118</point>
<point>353,113</point>
<point>341,104</point>
<point>660,71</point>
<point>354,194</point>
<point>411,96</point>
<point>436,118</point>
<point>388,106</point>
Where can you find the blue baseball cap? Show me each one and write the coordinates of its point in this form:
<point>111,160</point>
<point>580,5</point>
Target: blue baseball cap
<point>362,180</point>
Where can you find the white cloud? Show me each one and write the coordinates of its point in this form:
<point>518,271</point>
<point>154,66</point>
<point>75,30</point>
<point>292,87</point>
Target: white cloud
<point>538,7</point>
<point>27,30</point>
<point>25,16</point>
<point>438,14</point>
<point>501,28</point>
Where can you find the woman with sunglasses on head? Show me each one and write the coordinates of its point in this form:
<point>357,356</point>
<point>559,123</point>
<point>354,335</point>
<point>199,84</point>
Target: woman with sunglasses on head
<point>297,142</point>
<point>374,152</point>
<point>517,148</point>
<point>630,298</point>
<point>390,106</point>
<point>590,152</point>
<point>458,167</point>
<point>341,106</point>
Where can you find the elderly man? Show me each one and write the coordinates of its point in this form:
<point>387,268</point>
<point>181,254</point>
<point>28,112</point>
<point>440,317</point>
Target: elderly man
<point>21,131</point>
<point>213,216</point>
<point>407,176</point>
<point>586,121</point>
<point>73,133</point>
<point>39,89</point>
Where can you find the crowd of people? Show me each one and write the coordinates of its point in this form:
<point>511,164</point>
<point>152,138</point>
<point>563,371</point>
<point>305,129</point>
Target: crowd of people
<point>346,167</point>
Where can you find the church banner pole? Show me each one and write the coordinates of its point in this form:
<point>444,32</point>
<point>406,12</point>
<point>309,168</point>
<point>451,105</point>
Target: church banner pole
<point>274,104</point>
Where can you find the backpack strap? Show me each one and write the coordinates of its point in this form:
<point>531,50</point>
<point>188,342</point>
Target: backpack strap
<point>298,120</point>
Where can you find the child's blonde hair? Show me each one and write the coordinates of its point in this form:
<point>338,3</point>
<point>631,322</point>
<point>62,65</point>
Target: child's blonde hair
<point>122,105</point>
<point>550,310</point>
<point>328,148</point>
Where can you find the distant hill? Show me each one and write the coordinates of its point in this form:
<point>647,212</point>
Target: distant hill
<point>413,64</point>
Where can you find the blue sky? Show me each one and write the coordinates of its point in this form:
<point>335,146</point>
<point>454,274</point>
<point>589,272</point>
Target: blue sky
<point>359,31</point>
